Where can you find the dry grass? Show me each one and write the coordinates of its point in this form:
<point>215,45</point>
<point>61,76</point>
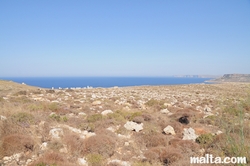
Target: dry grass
<point>16,143</point>
<point>74,143</point>
<point>166,155</point>
<point>52,159</point>
<point>100,144</point>
<point>24,129</point>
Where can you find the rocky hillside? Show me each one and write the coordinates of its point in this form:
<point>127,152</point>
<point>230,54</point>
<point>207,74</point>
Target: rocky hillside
<point>129,126</point>
<point>234,78</point>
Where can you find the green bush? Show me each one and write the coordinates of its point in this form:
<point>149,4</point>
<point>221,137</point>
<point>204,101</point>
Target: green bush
<point>55,117</point>
<point>23,117</point>
<point>41,164</point>
<point>53,106</point>
<point>205,139</point>
<point>157,104</point>
<point>94,118</point>
<point>58,118</point>
<point>94,159</point>
<point>35,107</point>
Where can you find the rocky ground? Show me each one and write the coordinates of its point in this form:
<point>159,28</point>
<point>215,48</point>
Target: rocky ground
<point>122,126</point>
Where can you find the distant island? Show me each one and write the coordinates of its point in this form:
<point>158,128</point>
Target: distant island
<point>197,76</point>
<point>233,78</point>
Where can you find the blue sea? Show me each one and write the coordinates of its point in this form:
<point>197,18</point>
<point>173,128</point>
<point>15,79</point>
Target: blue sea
<point>105,82</point>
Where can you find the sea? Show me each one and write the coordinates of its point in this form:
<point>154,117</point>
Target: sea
<point>104,82</point>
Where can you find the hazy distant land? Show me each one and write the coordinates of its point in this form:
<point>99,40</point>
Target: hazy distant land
<point>233,78</point>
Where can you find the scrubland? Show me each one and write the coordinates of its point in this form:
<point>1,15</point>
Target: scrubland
<point>64,127</point>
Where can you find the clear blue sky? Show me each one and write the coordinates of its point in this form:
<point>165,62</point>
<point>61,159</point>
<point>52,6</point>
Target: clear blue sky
<point>124,37</point>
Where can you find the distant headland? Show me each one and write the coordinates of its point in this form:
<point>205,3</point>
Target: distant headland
<point>233,78</point>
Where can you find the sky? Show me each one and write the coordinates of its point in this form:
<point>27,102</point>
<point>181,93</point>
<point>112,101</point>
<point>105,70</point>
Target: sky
<point>40,38</point>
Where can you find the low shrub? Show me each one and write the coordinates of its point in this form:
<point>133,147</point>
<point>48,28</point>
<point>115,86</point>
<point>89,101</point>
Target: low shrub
<point>165,155</point>
<point>100,144</point>
<point>23,117</point>
<point>95,159</point>
<point>205,139</point>
<point>156,104</point>
<point>36,107</point>
<point>153,139</point>
<point>55,145</point>
<point>16,143</point>
<point>94,118</point>
<point>53,106</point>
<point>52,159</point>
<point>59,118</point>
<point>74,143</point>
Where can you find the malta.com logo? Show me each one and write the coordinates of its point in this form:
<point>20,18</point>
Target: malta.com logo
<point>209,159</point>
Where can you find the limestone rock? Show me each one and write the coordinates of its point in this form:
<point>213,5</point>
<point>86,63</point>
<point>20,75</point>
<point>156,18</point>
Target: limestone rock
<point>218,132</point>
<point>169,130</point>
<point>133,126</point>
<point>207,109</point>
<point>106,112</point>
<point>56,133</point>
<point>119,162</point>
<point>97,102</point>
<point>2,117</point>
<point>86,134</point>
<point>64,149</point>
<point>81,114</point>
<point>44,146</point>
<point>189,134</point>
<point>82,161</point>
<point>164,111</point>
<point>167,104</point>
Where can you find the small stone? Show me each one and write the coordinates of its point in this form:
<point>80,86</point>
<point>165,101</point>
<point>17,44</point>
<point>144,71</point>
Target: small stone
<point>111,129</point>
<point>218,132</point>
<point>81,114</point>
<point>207,109</point>
<point>164,111</point>
<point>97,102</point>
<point>56,133</point>
<point>170,113</point>
<point>17,156</point>
<point>167,104</point>
<point>44,146</point>
<point>126,144</point>
<point>28,161</point>
<point>6,158</point>
<point>64,150</point>
<point>106,112</point>
<point>2,117</point>
<point>82,161</point>
<point>169,130</point>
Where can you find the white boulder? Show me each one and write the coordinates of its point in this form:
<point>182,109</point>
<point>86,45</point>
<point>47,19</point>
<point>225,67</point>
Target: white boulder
<point>133,126</point>
<point>169,130</point>
<point>56,133</point>
<point>189,134</point>
<point>82,161</point>
<point>164,111</point>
